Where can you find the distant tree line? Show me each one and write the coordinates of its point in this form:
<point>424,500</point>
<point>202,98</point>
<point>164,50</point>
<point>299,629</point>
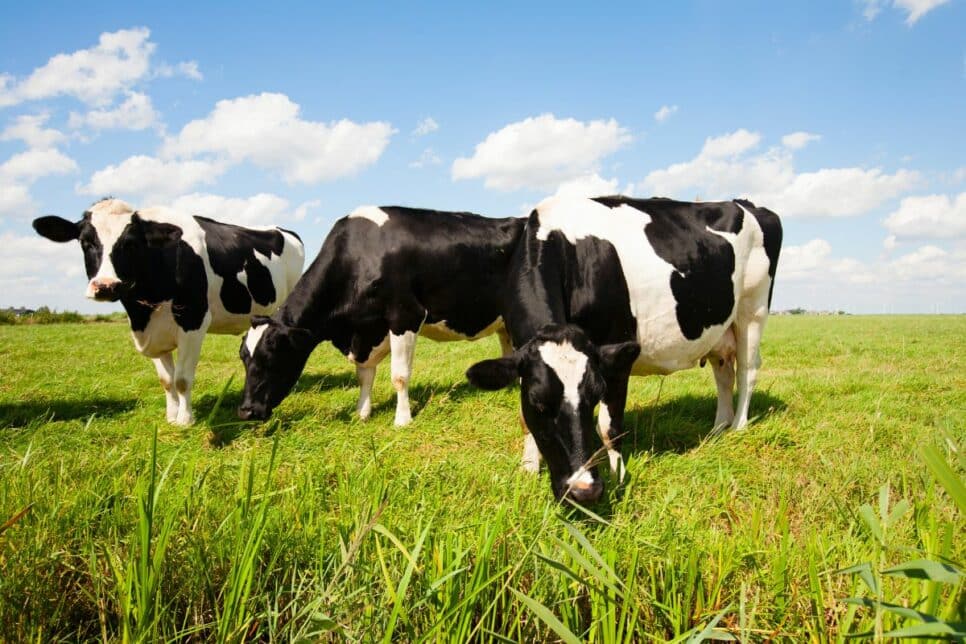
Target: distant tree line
<point>44,315</point>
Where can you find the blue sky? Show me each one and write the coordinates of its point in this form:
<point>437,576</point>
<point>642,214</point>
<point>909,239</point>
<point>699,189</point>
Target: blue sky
<point>846,118</point>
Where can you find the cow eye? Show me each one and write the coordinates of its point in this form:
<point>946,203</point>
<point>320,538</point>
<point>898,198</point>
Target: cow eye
<point>536,401</point>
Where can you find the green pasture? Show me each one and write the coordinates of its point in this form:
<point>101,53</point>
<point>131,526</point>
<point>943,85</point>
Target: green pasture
<point>316,525</point>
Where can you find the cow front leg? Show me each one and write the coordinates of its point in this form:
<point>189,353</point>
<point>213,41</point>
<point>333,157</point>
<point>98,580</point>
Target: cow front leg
<point>366,376</point>
<point>610,422</point>
<point>531,453</point>
<point>164,365</point>
<point>402,348</point>
<point>506,347</point>
<point>189,351</point>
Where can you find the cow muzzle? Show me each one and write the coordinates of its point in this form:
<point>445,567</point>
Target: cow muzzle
<point>583,487</point>
<point>250,412</point>
<point>104,290</point>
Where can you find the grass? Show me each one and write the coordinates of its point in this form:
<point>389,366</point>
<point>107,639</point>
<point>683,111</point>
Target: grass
<point>117,526</point>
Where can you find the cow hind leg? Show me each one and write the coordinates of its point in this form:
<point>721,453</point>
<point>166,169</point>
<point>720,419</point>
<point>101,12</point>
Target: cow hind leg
<point>165,368</point>
<point>749,360</point>
<point>724,378</point>
<point>402,348</point>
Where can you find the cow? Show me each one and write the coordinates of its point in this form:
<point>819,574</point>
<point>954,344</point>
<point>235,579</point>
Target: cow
<point>603,288</point>
<point>383,276</point>
<point>179,277</point>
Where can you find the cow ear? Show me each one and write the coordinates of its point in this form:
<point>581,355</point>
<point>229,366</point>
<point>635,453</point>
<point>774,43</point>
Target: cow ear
<point>618,358</point>
<point>300,337</point>
<point>158,234</point>
<point>494,374</point>
<point>56,228</point>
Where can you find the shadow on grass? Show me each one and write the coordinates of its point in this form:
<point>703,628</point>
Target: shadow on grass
<point>684,422</point>
<point>23,414</point>
<point>420,395</point>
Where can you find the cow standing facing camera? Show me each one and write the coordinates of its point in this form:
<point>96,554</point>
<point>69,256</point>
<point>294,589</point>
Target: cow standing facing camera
<point>179,277</point>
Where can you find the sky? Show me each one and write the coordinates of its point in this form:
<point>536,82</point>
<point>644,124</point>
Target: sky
<point>848,119</point>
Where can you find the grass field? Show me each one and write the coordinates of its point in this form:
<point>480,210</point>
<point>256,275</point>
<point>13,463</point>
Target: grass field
<point>322,526</point>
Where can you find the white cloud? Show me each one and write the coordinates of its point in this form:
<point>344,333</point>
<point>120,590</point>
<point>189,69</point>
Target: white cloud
<point>305,207</point>
<point>266,129</point>
<point>915,9</point>
<point>426,126</point>
<point>724,169</point>
<point>92,75</point>
<point>29,129</point>
<point>188,69</point>
<point>589,185</point>
<point>135,113</point>
<point>541,152</point>
<point>35,163</point>
<point>929,217</point>
<point>427,158</point>
<point>890,243</point>
<point>665,113</point>
<point>798,140</point>
<point>263,209</point>
<point>39,160</point>
<point>148,181</point>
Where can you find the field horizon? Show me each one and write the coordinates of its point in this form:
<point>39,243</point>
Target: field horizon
<point>314,524</point>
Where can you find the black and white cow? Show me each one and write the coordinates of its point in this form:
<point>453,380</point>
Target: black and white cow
<point>179,277</point>
<point>383,276</point>
<point>603,288</point>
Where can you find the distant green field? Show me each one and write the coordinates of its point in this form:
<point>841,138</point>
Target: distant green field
<point>359,531</point>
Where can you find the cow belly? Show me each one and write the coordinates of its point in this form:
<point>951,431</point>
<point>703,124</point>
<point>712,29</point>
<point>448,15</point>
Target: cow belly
<point>160,336</point>
<point>664,349</point>
<point>439,332</point>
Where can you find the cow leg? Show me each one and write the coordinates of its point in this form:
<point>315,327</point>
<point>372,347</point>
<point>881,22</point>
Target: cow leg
<point>165,368</point>
<point>610,422</point>
<point>366,376</point>
<point>189,351</point>
<point>531,453</point>
<point>366,373</point>
<point>506,347</point>
<point>402,347</point>
<point>748,339</point>
<point>724,378</point>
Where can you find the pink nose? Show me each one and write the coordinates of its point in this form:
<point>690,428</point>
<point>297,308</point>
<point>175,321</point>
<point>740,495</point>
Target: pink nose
<point>101,285</point>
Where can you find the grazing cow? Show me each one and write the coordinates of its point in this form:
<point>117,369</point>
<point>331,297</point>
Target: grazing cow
<point>179,277</point>
<point>383,276</point>
<point>603,288</point>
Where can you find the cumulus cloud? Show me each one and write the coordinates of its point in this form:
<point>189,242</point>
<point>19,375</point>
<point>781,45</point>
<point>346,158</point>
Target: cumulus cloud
<point>426,126</point>
<point>665,113</point>
<point>135,113</point>
<point>914,9</point>
<point>148,180</point>
<point>541,152</point>
<point>589,185</point>
<point>30,129</point>
<point>929,217</point>
<point>39,160</point>
<point>263,209</point>
<point>91,75</point>
<point>798,140</point>
<point>726,168</point>
<point>267,130</point>
<point>188,69</point>
<point>926,279</point>
<point>427,158</point>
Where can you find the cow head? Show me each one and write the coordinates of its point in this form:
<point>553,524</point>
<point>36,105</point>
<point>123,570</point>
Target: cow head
<point>274,355</point>
<point>113,238</point>
<point>562,377</point>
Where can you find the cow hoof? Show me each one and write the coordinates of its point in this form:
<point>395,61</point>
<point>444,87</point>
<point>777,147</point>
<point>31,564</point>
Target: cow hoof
<point>530,467</point>
<point>402,420</point>
<point>184,421</point>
